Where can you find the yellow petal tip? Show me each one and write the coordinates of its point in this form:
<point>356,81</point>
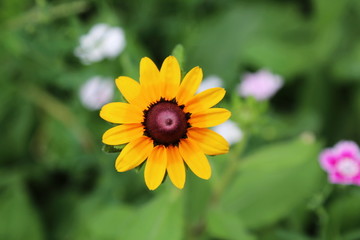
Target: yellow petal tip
<point>171,57</point>
<point>179,186</point>
<point>118,167</point>
<point>152,188</point>
<point>152,185</point>
<point>118,80</point>
<point>146,59</point>
<point>207,177</point>
<point>228,113</point>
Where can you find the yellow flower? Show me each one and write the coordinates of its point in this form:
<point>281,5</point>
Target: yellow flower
<point>165,123</point>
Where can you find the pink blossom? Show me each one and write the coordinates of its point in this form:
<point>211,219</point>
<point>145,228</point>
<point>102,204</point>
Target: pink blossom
<point>342,162</point>
<point>262,85</point>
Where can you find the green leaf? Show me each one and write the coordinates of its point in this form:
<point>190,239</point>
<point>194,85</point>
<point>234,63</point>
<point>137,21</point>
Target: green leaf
<point>234,38</point>
<point>130,66</point>
<point>353,235</point>
<point>347,65</point>
<point>197,198</point>
<point>104,222</point>
<point>160,219</point>
<point>344,215</point>
<point>178,52</point>
<point>282,57</point>
<point>286,235</point>
<point>19,219</point>
<point>113,149</point>
<point>272,182</point>
<point>226,225</point>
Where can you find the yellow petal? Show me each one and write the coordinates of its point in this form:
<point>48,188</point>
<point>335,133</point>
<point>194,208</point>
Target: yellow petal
<point>209,118</point>
<point>155,167</point>
<point>189,85</point>
<point>210,142</point>
<point>175,167</point>
<point>134,154</point>
<point>130,89</point>
<point>170,74</point>
<point>150,80</point>
<point>205,100</point>
<point>118,112</point>
<point>123,134</point>
<point>195,158</point>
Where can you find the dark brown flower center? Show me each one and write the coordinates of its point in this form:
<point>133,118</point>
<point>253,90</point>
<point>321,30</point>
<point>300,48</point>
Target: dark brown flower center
<point>166,123</point>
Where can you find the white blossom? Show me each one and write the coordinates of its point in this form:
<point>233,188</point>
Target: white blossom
<point>230,131</point>
<point>102,41</point>
<point>96,92</point>
<point>211,81</point>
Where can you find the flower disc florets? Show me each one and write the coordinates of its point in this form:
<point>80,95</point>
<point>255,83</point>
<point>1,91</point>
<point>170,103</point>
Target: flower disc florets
<point>166,122</point>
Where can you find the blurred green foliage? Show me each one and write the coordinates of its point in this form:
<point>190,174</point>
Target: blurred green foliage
<point>56,183</point>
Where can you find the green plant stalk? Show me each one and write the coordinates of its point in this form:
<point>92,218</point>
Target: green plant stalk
<point>230,170</point>
<point>60,112</point>
<point>323,221</point>
<point>322,213</point>
<point>317,205</point>
<point>44,13</point>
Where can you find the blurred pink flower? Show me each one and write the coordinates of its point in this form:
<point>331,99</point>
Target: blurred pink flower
<point>342,162</point>
<point>102,41</point>
<point>262,85</point>
<point>96,92</point>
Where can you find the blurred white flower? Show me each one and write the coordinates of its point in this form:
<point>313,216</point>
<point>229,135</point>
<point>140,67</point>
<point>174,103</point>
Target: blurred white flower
<point>96,92</point>
<point>210,82</point>
<point>102,41</point>
<point>230,131</point>
<point>262,85</point>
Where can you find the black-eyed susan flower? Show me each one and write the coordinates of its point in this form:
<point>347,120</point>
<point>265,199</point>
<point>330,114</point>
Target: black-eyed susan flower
<point>165,123</point>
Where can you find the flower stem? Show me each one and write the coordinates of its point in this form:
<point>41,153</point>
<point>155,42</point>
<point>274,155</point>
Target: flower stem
<point>230,170</point>
<point>323,221</point>
<point>56,109</point>
<point>317,205</point>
